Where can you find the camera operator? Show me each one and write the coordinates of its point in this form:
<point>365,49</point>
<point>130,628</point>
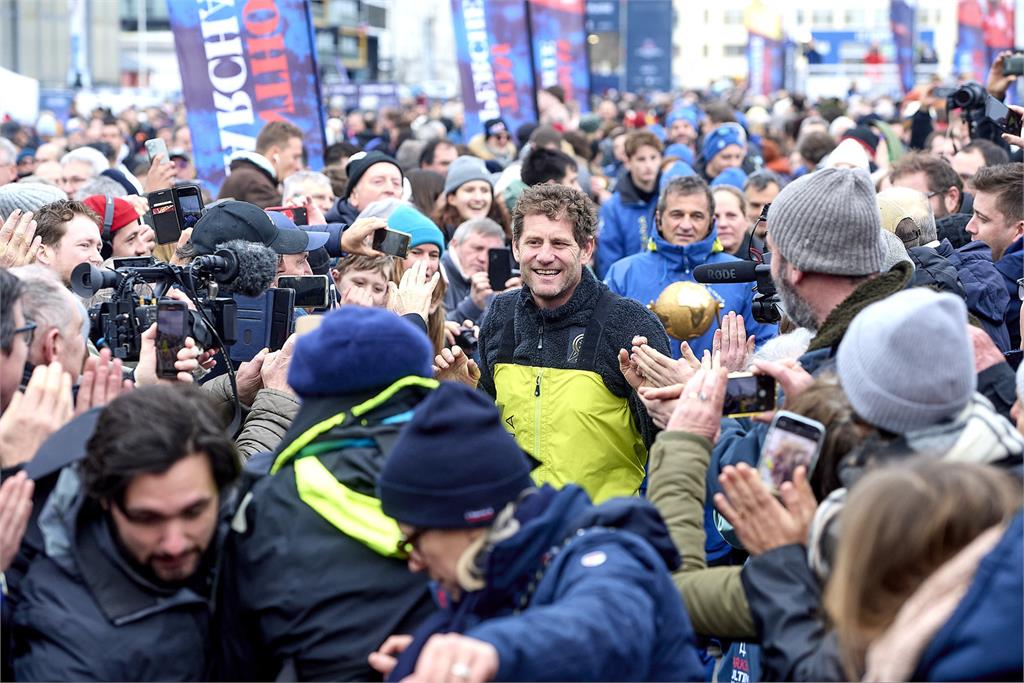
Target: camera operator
<point>122,591</point>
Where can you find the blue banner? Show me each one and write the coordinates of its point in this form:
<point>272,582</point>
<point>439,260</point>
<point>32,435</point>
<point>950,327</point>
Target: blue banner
<point>560,48</point>
<point>902,14</point>
<point>767,59</point>
<point>971,56</point>
<point>243,66</point>
<point>649,45</point>
<point>493,54</point>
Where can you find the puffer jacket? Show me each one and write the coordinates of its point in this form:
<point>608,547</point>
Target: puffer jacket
<point>987,296</point>
<point>644,276</point>
<point>263,423</point>
<point>1011,267</point>
<point>626,221</point>
<point>578,593</point>
<point>85,613</point>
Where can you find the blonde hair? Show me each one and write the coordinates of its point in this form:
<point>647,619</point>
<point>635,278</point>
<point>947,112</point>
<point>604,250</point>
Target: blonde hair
<point>899,525</point>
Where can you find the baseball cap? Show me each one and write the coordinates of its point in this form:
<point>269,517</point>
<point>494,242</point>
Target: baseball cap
<point>315,240</point>
<point>236,220</point>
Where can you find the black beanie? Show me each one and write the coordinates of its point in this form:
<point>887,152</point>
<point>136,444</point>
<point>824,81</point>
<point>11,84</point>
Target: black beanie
<point>454,466</point>
<point>358,165</point>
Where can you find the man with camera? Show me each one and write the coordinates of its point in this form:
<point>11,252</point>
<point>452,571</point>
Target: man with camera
<point>122,591</point>
<point>549,352</point>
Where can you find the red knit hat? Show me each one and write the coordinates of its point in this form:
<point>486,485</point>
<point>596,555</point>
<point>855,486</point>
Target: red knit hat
<point>123,213</point>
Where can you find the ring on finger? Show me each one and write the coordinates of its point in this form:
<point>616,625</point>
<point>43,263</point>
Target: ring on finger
<point>460,670</point>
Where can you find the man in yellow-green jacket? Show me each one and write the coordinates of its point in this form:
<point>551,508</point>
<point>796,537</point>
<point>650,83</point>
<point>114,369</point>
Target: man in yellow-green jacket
<point>549,353</point>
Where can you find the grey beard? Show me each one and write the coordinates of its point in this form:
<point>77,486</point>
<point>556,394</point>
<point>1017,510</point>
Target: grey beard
<point>795,306</point>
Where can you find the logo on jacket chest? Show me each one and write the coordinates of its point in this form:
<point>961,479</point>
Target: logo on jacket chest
<point>577,335</point>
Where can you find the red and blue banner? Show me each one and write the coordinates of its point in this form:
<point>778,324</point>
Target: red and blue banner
<point>902,15</point>
<point>984,29</point>
<point>243,65</point>
<point>767,49</point>
<point>560,48</point>
<point>492,51</point>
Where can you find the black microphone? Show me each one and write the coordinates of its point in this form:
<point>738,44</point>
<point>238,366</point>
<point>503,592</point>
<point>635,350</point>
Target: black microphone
<point>729,273</point>
<point>248,268</point>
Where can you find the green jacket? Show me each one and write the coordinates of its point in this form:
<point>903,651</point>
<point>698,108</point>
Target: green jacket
<point>263,423</point>
<point>713,596</point>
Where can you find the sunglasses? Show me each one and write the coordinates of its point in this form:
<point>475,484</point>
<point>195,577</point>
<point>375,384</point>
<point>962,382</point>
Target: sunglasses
<point>407,544</point>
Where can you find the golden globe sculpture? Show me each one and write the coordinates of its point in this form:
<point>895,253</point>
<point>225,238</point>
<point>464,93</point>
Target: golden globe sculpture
<point>686,309</point>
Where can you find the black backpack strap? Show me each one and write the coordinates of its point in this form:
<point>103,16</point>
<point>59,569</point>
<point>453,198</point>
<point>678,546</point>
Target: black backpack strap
<point>592,337</point>
<point>507,349</point>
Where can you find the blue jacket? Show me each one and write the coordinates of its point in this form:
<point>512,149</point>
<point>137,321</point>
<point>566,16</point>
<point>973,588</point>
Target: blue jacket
<point>982,641</point>
<point>1012,268</point>
<point>599,600</point>
<point>626,221</point>
<point>986,294</point>
<point>644,276</point>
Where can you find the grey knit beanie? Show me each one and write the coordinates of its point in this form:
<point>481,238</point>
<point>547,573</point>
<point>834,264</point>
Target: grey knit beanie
<point>907,362</point>
<point>463,170</point>
<point>895,251</point>
<point>828,222</point>
<point>27,196</point>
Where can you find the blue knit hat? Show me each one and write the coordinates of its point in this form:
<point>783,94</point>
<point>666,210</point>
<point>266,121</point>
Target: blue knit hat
<point>407,219</point>
<point>730,176</point>
<point>684,113</point>
<point>454,465</point>
<point>676,170</point>
<point>721,137</point>
<point>357,349</point>
<point>683,152</point>
<point>658,130</point>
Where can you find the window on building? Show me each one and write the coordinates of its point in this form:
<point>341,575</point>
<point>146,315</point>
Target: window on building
<point>376,17</point>
<point>822,17</point>
<point>800,17</point>
<point>855,17</point>
<point>705,50</point>
<point>733,17</point>
<point>734,50</point>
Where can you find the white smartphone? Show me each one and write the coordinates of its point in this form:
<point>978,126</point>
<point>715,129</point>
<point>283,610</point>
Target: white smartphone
<point>792,440</point>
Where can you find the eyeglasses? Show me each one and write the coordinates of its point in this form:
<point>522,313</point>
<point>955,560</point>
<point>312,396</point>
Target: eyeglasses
<point>935,194</point>
<point>1020,289</point>
<point>407,544</point>
<point>29,330</point>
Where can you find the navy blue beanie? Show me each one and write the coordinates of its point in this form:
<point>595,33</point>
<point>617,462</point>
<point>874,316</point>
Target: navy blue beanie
<point>454,465</point>
<point>357,349</point>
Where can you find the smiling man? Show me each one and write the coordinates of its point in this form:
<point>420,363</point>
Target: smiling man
<point>122,591</point>
<point>686,237</point>
<point>549,352</point>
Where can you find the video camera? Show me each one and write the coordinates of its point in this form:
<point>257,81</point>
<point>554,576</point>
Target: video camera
<point>119,323</point>
<point>765,307</point>
<point>986,117</point>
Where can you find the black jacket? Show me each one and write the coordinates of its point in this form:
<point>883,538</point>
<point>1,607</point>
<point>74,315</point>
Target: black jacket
<point>85,613</point>
<point>457,302</point>
<point>546,338</point>
<point>299,598</point>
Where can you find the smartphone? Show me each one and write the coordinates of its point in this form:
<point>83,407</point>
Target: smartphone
<point>501,267</point>
<point>165,216</point>
<point>282,317</point>
<point>190,205</point>
<point>297,214</point>
<point>156,146</point>
<point>392,242</point>
<point>792,440</point>
<point>311,291</point>
<point>1000,114</point>
<point>748,394</point>
<point>1014,65</point>
<point>262,321</point>
<point>172,319</point>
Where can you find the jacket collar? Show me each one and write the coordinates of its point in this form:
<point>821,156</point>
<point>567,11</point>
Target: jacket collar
<point>257,160</point>
<point>686,256</point>
<point>834,327</point>
<point>584,298</point>
<point>628,192</point>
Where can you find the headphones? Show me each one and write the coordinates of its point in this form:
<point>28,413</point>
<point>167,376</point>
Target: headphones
<point>105,232</point>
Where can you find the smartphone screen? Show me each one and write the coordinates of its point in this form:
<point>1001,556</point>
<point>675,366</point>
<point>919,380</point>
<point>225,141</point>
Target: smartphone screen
<point>171,329</point>
<point>791,441</point>
<point>1001,115</point>
<point>156,146</point>
<point>296,214</point>
<point>311,291</point>
<point>748,394</point>
<point>392,242</point>
<point>191,204</point>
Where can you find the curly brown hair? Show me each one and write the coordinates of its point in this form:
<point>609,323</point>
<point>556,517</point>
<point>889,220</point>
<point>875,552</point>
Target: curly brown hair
<point>52,219</point>
<point>556,203</point>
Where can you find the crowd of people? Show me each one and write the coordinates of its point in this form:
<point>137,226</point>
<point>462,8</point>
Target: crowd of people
<point>444,476</point>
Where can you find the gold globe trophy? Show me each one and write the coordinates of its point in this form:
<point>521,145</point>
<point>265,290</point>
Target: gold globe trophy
<point>686,309</point>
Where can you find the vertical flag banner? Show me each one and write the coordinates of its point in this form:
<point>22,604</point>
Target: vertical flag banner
<point>970,56</point>
<point>242,66</point>
<point>492,50</point>
<point>766,49</point>
<point>998,27</point>
<point>902,15</point>
<point>649,45</point>
<point>560,48</point>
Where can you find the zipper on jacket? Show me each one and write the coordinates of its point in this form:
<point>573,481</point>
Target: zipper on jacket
<point>536,391</point>
<point>540,339</point>
<point>536,416</point>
